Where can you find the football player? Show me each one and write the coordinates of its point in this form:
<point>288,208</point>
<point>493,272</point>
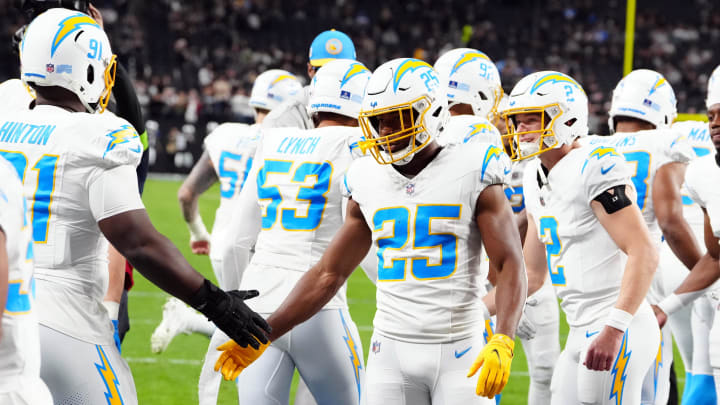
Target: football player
<point>425,208</point>
<point>700,180</point>
<point>227,158</point>
<point>298,188</point>
<point>642,109</point>
<point>581,219</point>
<point>79,177</point>
<point>20,381</point>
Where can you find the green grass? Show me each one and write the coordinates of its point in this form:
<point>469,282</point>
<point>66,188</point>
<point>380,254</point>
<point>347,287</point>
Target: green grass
<point>171,377</point>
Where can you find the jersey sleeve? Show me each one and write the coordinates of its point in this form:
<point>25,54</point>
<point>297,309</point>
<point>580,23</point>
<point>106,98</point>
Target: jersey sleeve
<point>113,142</point>
<point>676,147</point>
<point>114,191</point>
<point>495,165</point>
<point>603,169</point>
<point>700,181</point>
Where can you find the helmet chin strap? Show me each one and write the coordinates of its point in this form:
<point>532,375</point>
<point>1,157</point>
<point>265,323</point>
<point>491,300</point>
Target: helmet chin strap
<point>406,150</point>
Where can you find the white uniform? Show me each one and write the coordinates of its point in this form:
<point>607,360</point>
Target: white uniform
<point>77,170</point>
<point>586,268</point>
<point>231,148</point>
<point>691,324</point>
<point>20,345</point>
<point>290,209</point>
<point>541,309</point>
<point>428,327</point>
<point>14,94</point>
<point>458,132</point>
<point>648,151</point>
<point>701,179</point>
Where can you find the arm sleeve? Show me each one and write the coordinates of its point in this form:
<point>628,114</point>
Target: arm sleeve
<point>604,170</point>
<point>113,192</point>
<point>128,105</point>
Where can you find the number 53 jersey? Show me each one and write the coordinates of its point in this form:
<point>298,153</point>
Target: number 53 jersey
<point>428,243</point>
<point>585,264</point>
<point>76,170</point>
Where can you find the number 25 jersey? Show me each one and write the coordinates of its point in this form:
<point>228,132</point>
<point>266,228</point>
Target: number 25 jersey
<point>428,243</point>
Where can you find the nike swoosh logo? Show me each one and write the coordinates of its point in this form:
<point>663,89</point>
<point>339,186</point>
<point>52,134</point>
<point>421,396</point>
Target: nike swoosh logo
<point>136,150</point>
<point>588,334</point>
<point>507,171</point>
<point>604,170</point>
<point>460,354</point>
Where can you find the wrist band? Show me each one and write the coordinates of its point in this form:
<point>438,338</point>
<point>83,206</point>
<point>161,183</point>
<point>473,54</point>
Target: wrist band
<point>197,229</point>
<point>619,319</point>
<point>670,304</point>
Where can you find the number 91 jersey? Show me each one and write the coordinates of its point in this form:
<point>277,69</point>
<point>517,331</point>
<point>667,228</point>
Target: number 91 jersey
<point>428,243</point>
<point>585,264</point>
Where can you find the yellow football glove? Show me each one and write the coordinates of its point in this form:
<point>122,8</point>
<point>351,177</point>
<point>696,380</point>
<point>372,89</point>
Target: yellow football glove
<point>495,359</point>
<point>234,359</point>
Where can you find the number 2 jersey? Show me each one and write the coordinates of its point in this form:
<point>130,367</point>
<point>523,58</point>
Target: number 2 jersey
<point>77,169</point>
<point>19,345</point>
<point>647,151</point>
<point>291,207</point>
<point>585,264</point>
<point>428,244</point>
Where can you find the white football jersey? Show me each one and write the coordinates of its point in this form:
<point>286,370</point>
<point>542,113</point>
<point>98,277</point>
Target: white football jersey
<point>231,148</point>
<point>514,189</point>
<point>585,264</point>
<point>294,194</point>
<point>428,244</point>
<point>19,345</point>
<point>647,151</point>
<point>458,130</point>
<point>77,169</point>
<point>14,95</point>
<point>697,135</point>
<point>702,179</point>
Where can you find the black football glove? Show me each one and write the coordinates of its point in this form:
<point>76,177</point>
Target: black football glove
<point>229,313</point>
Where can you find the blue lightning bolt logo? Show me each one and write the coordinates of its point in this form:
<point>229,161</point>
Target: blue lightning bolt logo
<point>599,152</point>
<point>354,70</point>
<point>68,26</point>
<point>493,152</point>
<point>554,78</point>
<point>619,371</point>
<point>112,396</point>
<point>659,360</point>
<point>352,346</point>
<point>479,128</point>
<point>658,83</point>
<point>488,332</point>
<point>468,57</point>
<point>121,136</point>
<point>408,65</point>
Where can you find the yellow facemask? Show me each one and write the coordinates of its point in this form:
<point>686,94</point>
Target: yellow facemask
<point>109,83</point>
<point>380,146</point>
<point>512,138</point>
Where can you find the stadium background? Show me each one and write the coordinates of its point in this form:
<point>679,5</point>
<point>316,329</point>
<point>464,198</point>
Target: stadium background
<point>194,62</point>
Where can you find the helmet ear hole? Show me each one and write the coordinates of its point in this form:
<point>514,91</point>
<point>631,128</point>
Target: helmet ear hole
<point>482,96</point>
<point>90,74</point>
<point>570,122</point>
<point>437,112</point>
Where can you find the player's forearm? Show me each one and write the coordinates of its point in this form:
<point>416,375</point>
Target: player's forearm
<point>188,204</point>
<point>639,271</point>
<point>156,258</point>
<point>315,289</point>
<point>511,295</point>
<point>705,272</point>
<point>681,240</point>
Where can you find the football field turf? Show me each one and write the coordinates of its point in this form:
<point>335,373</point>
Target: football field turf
<point>171,377</point>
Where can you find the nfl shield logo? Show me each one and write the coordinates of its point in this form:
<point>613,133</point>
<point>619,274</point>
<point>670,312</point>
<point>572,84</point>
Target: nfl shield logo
<point>344,94</point>
<point>453,84</point>
<point>50,68</point>
<point>375,346</point>
<point>409,189</point>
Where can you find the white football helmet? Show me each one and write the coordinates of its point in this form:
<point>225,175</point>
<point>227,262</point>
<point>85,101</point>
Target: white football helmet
<point>468,129</point>
<point>68,49</point>
<point>646,95</point>
<point>338,87</point>
<point>560,101</point>
<point>411,89</point>
<point>713,92</point>
<point>272,87</point>
<point>470,77</point>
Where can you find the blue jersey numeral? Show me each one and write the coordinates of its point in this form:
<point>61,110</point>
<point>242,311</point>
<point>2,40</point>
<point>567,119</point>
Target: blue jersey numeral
<point>313,195</point>
<point>422,239</point>
<point>46,168</point>
<point>19,299</point>
<point>557,275</point>
<point>224,171</point>
<point>642,171</point>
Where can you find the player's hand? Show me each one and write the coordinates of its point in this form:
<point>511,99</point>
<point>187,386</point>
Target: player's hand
<point>95,14</point>
<point>604,349</point>
<point>495,360</point>
<point>200,247</point>
<point>659,315</point>
<point>527,329</point>
<point>230,314</point>
<point>234,359</point>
